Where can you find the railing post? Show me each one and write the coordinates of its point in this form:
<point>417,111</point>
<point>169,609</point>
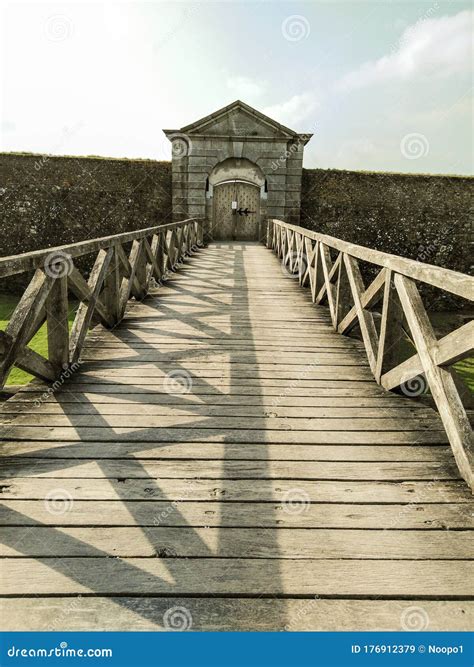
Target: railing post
<point>343,293</point>
<point>187,247</point>
<point>111,293</point>
<point>160,255</point>
<point>269,242</point>
<point>140,268</point>
<point>179,245</point>
<point>57,324</point>
<point>391,330</point>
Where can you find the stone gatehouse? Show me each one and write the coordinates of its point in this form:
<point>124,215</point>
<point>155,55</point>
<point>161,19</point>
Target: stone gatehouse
<point>235,168</point>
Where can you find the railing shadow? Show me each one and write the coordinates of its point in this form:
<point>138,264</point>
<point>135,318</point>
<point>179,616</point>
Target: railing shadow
<point>144,438</point>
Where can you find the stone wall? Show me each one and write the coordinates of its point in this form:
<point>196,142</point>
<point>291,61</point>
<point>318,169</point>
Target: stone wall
<point>425,217</point>
<point>47,201</point>
<point>236,132</point>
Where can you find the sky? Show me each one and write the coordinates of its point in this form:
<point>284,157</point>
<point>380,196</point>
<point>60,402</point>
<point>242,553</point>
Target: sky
<point>383,85</point>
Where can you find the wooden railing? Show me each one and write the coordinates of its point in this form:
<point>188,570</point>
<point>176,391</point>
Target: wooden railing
<point>115,276</point>
<point>330,268</point>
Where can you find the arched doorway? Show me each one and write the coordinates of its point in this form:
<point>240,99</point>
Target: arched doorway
<point>236,214</point>
<point>236,197</point>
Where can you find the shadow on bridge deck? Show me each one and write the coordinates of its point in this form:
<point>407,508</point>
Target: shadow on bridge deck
<point>224,460</point>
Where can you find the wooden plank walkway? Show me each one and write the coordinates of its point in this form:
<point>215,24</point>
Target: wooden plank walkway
<point>224,460</point>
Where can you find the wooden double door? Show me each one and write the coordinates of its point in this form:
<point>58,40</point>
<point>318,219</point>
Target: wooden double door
<point>236,212</point>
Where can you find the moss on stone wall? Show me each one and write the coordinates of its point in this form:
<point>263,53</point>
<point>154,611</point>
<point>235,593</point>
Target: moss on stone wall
<point>49,200</point>
<point>424,217</point>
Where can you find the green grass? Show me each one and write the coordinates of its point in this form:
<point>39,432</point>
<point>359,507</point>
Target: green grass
<point>464,368</point>
<point>39,342</point>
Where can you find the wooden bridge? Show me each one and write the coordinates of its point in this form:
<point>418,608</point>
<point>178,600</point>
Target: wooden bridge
<point>220,454</point>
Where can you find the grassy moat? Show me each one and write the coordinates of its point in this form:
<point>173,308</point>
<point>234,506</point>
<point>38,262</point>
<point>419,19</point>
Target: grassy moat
<point>39,342</point>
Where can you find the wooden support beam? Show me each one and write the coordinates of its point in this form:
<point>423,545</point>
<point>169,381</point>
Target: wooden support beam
<point>58,325</point>
<point>368,299</point>
<point>25,321</point>
<point>138,262</point>
<point>81,289</point>
<point>392,333</point>
<point>366,319</point>
<point>129,274</point>
<point>170,248</point>
<point>343,293</point>
<point>310,253</point>
<point>132,284</point>
<point>457,345</point>
<point>86,310</point>
<point>316,275</point>
<point>329,271</point>
<point>29,361</point>
<point>334,268</point>
<point>111,292</point>
<point>269,236</point>
<point>150,252</point>
<point>440,381</point>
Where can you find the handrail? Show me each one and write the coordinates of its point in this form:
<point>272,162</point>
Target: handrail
<point>114,277</point>
<point>339,283</point>
<point>29,261</point>
<point>457,283</point>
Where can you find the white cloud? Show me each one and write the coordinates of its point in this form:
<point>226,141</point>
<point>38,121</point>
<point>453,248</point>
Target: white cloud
<point>244,87</point>
<point>293,111</point>
<point>435,117</point>
<point>356,153</point>
<point>431,47</point>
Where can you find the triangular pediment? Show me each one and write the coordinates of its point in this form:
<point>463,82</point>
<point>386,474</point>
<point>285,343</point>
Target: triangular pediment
<point>238,119</point>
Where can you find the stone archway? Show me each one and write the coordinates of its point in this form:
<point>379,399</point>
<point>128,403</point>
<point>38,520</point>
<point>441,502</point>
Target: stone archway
<point>237,143</point>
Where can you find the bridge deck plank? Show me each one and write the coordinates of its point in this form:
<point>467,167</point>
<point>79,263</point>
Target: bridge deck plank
<point>271,466</point>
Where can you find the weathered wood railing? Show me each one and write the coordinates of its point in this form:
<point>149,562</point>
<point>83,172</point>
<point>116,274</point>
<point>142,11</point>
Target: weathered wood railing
<point>330,267</point>
<point>115,276</point>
